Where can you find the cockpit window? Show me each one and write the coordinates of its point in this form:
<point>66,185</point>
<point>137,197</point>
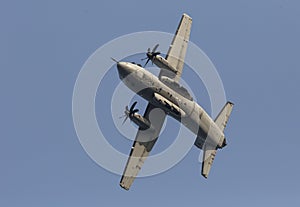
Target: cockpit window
<point>136,64</point>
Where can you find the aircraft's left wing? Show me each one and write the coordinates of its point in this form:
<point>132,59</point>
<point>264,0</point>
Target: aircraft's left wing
<point>143,144</point>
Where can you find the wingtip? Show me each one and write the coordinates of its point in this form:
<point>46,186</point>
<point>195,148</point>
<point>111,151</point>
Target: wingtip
<point>230,102</point>
<point>124,187</point>
<point>205,176</point>
<point>185,14</point>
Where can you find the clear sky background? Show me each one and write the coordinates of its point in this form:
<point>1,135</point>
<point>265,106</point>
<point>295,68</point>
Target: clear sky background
<point>255,48</point>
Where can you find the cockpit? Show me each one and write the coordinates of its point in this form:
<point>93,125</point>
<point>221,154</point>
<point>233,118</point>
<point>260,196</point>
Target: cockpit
<point>136,64</point>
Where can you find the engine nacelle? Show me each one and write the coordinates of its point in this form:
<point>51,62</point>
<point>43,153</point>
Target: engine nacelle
<point>141,121</point>
<point>168,106</point>
<point>163,63</point>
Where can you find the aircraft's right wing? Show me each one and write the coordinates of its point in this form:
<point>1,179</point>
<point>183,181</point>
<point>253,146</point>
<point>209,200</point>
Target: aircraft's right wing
<point>143,144</point>
<point>178,47</point>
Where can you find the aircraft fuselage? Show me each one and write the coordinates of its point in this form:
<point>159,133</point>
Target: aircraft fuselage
<point>186,111</point>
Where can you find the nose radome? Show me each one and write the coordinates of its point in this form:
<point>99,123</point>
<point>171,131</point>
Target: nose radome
<point>124,69</point>
<point>121,65</point>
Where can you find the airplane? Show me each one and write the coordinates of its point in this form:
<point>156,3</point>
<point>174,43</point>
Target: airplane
<point>166,96</point>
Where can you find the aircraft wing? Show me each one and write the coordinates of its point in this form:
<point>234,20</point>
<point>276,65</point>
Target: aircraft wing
<point>178,47</point>
<point>143,144</point>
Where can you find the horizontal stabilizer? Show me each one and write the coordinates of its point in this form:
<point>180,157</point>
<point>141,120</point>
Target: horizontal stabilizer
<point>209,153</point>
<point>223,116</point>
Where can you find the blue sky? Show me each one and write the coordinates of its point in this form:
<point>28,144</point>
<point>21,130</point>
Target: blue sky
<point>255,48</point>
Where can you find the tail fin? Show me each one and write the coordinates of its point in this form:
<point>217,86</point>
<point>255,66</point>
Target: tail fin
<point>223,116</point>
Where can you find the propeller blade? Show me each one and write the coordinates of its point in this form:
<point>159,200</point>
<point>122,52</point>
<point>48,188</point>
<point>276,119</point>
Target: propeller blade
<point>144,58</point>
<point>132,107</point>
<point>134,111</point>
<point>146,62</point>
<point>121,117</point>
<point>148,50</point>
<point>154,48</point>
<point>125,120</point>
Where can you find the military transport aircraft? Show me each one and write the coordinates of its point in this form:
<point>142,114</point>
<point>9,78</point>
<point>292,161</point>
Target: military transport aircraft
<point>166,96</point>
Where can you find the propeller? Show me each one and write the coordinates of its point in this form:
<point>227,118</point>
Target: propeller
<point>129,112</point>
<point>151,54</point>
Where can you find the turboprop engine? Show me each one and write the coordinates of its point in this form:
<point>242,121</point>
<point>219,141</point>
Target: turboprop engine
<point>138,119</point>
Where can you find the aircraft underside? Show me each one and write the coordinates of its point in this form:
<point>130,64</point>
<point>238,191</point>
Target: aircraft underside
<point>166,96</point>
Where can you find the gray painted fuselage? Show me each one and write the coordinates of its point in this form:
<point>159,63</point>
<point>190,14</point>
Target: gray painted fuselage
<point>192,115</point>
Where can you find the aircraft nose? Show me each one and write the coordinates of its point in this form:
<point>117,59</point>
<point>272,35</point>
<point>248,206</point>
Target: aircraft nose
<point>124,69</point>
